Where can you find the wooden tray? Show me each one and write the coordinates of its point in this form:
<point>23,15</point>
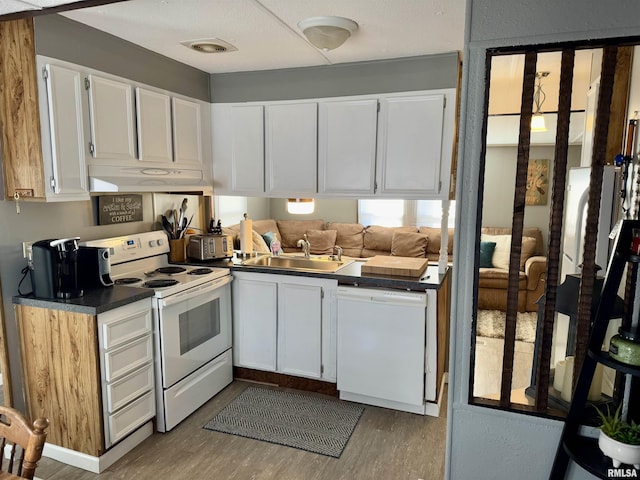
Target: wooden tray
<point>398,266</point>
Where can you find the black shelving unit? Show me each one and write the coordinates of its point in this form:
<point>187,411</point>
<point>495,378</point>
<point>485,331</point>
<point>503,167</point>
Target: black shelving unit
<point>573,446</point>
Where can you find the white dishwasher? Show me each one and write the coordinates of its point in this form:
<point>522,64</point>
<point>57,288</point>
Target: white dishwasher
<point>381,347</point>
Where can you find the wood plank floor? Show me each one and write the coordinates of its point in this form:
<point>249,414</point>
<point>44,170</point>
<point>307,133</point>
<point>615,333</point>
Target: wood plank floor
<point>386,444</point>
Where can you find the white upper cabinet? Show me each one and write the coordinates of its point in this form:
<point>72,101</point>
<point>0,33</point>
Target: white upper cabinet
<point>66,168</point>
<point>410,145</point>
<point>187,136</point>
<point>347,146</point>
<point>291,148</point>
<point>153,116</point>
<point>238,148</point>
<point>113,135</point>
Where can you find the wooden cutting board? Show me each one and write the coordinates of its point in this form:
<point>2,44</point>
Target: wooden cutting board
<point>400,266</point>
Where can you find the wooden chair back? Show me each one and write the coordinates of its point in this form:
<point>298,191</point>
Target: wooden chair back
<point>20,444</point>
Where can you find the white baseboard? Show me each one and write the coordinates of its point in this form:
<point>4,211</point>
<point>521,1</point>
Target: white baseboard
<point>98,464</point>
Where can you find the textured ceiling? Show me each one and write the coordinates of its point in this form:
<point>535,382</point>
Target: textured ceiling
<point>266,34</point>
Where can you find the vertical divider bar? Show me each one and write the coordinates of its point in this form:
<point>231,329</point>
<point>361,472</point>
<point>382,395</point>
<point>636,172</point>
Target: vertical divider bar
<point>524,139</point>
<point>543,354</point>
<point>587,282</point>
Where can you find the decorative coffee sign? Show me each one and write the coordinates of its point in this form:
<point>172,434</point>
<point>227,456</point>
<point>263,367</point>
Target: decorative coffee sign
<point>119,209</point>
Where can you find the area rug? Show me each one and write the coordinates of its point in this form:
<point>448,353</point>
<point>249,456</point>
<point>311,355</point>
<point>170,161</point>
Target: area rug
<point>312,423</point>
<point>491,324</point>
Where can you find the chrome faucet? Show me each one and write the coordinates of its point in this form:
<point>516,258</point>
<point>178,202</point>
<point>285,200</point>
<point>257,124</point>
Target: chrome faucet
<point>306,246</point>
<point>339,250</point>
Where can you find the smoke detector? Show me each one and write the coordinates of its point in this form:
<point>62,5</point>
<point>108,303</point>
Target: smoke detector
<point>209,45</point>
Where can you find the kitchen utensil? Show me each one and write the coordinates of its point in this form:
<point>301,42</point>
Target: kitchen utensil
<point>176,225</point>
<point>166,225</point>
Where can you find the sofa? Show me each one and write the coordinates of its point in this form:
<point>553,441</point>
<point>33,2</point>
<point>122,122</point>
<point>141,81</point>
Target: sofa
<point>358,241</point>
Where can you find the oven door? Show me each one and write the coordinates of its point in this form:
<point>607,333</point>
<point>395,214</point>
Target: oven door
<point>194,328</point>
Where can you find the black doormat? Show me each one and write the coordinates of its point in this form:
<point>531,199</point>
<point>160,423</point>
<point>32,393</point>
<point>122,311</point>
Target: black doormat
<point>308,422</point>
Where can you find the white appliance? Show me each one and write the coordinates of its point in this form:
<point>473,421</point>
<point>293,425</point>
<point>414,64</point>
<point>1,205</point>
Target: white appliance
<point>576,197</point>
<point>191,317</point>
<point>382,355</point>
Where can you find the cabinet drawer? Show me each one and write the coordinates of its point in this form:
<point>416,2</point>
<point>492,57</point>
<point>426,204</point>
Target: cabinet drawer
<point>121,392</point>
<point>127,358</point>
<point>131,417</point>
<point>124,324</point>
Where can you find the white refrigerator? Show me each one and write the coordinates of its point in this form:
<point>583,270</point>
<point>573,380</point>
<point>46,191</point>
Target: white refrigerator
<point>575,215</point>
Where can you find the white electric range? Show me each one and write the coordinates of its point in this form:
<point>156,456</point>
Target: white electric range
<point>192,321</point>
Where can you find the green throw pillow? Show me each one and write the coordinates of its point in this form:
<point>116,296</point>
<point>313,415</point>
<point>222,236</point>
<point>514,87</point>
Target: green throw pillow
<point>268,238</point>
<point>486,253</point>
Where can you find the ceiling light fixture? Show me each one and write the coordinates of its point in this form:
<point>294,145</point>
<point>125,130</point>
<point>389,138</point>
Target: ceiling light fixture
<point>300,205</point>
<point>537,120</point>
<point>209,45</point>
<point>327,33</point>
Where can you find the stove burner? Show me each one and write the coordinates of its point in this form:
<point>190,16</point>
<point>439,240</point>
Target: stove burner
<point>127,280</point>
<point>199,271</point>
<point>159,283</point>
<point>171,270</point>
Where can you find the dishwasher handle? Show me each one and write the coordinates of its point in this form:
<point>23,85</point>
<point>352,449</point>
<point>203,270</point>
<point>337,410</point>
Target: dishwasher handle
<point>413,299</point>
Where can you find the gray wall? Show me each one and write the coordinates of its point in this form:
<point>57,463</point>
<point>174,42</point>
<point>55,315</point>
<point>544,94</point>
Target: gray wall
<point>397,75</point>
<point>484,443</point>
<point>329,210</point>
<point>66,39</point>
<point>499,187</point>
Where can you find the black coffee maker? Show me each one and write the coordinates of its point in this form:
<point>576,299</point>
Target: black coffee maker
<point>54,268</point>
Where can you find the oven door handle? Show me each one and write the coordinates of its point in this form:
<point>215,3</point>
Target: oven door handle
<point>196,292</point>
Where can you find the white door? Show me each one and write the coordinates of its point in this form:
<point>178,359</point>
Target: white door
<point>300,330</point>
<point>111,114</point>
<point>347,146</point>
<point>153,115</point>
<point>64,98</point>
<point>291,148</point>
<point>238,149</point>
<point>410,144</point>
<point>187,134</point>
<point>255,309</point>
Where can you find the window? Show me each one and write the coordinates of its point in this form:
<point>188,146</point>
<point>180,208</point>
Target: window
<point>396,213</point>
<point>229,210</point>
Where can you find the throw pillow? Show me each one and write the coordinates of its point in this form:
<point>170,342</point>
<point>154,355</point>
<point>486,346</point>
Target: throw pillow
<point>486,254</point>
<point>502,251</point>
<point>258,243</point>
<point>268,238</point>
<point>322,241</point>
<point>409,244</point>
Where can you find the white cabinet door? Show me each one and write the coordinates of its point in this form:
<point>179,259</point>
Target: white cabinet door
<point>410,141</point>
<point>68,162</point>
<point>254,323</point>
<point>291,148</point>
<point>111,113</point>
<point>238,149</point>
<point>153,115</point>
<point>300,329</point>
<point>187,135</point>
<point>347,146</point>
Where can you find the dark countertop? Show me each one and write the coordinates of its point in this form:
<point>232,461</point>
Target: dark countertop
<point>347,275</point>
<point>93,302</point>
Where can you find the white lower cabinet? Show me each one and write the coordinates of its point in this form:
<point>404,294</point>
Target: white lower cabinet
<point>126,369</point>
<point>285,324</point>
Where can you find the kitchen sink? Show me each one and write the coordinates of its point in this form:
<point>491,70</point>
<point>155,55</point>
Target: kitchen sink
<point>312,264</point>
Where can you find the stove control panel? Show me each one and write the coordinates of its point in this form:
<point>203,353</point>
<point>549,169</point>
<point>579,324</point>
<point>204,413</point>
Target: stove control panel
<point>133,247</point>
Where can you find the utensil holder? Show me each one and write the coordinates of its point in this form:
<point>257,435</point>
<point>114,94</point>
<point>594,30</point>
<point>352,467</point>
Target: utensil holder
<point>176,250</point>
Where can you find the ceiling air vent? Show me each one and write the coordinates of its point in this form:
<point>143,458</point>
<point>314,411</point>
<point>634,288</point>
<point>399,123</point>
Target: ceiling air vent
<point>209,45</point>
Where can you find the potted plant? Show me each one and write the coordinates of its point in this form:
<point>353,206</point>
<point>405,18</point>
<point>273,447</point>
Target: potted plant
<point>619,440</point>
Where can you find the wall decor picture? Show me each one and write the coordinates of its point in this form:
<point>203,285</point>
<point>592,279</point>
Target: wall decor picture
<point>537,182</point>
